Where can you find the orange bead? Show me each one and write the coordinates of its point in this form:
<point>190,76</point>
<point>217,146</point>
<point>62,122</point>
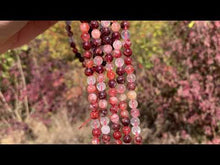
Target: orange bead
<point>89,63</point>
<point>110,74</point>
<point>132,95</point>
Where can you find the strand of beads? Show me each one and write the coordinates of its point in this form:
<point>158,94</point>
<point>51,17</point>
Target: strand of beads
<point>131,78</point>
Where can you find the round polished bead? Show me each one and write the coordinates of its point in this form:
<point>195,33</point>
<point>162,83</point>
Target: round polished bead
<point>115,26</point>
<point>107,49</point>
<point>87,54</point>
<point>86,45</point>
<point>122,105</point>
<point>94,114</point>
<point>127,139</point>
<point>105,129</point>
<point>103,104</point>
<point>128,60</point>
<point>129,69</point>
<point>88,71</point>
<point>117,134</point>
<point>93,106</point>
<point>96,42</point>
<point>116,53</point>
<point>99,69</point>
<point>94,24</point>
<point>89,63</point>
<point>91,80</point>
<point>131,77</point>
<point>106,138</point>
<point>124,114</point>
<point>100,77</point>
<point>138,139</point>
<point>105,31</point>
<point>95,140</point>
<point>136,130</point>
<point>133,104</point>
<point>84,27</point>
<point>127,52</point>
<point>109,66</point>
<point>103,112</point>
<point>92,97</point>
<point>106,40</point>
<point>98,60</point>
<point>104,120</point>
<point>96,132</point>
<point>131,95</point>
<point>125,24</point>
<point>95,123</point>
<point>104,63</point>
<point>116,126</point>
<point>127,44</point>
<point>125,121</point>
<point>111,74</point>
<point>135,121</point>
<point>117,44</point>
<point>108,58</point>
<point>120,79</point>
<point>131,86</point>
<point>101,86</point>
<point>122,97</point>
<point>126,130</point>
<point>120,71</point>
<point>119,62</point>
<point>96,33</point>
<point>135,113</point>
<point>112,92</point>
<point>118,141</point>
<point>114,109</point>
<point>121,88</point>
<point>105,23</point>
<point>98,51</point>
<point>91,88</point>
<point>125,34</point>
<point>112,83</point>
<point>85,37</point>
<point>113,100</point>
<point>114,118</point>
<point>102,95</point>
<point>116,36</point>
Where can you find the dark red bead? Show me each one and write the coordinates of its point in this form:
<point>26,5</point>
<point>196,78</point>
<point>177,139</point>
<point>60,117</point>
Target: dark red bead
<point>126,130</point>
<point>127,52</point>
<point>94,24</point>
<point>103,112</point>
<point>96,42</point>
<point>86,45</point>
<point>94,114</point>
<point>78,55</point>
<point>120,71</point>
<point>106,40</point>
<point>72,44</point>
<point>112,83</point>
<point>99,69</point>
<point>125,121</point>
<point>105,31</point>
<point>128,60</point>
<point>116,126</point>
<point>106,138</point>
<point>108,58</point>
<point>114,109</point>
<point>120,79</point>
<point>81,59</point>
<point>125,24</point>
<point>117,134</point>
<point>87,54</point>
<point>98,51</point>
<point>88,71</point>
<point>96,132</point>
<point>102,95</point>
<point>138,139</point>
<point>116,36</point>
<point>127,139</point>
<point>104,63</point>
<point>131,86</point>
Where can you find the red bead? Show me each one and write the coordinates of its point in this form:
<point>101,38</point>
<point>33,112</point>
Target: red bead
<point>105,31</point>
<point>127,52</point>
<point>88,71</point>
<point>127,139</point>
<point>84,27</point>
<point>96,132</point>
<point>99,69</point>
<point>113,100</point>
<point>117,134</point>
<point>129,69</point>
<point>116,53</point>
<point>98,51</point>
<point>138,139</point>
<point>112,83</point>
<point>94,24</point>
<point>118,141</point>
<point>96,42</point>
<point>124,114</point>
<point>111,74</point>
<point>114,109</point>
<point>131,86</point>
<point>87,54</point>
<point>85,36</point>
<point>125,121</point>
<point>112,92</point>
<point>89,63</point>
<point>94,114</point>
<point>93,106</point>
<point>127,44</point>
<point>106,40</point>
<point>120,71</point>
<point>106,138</point>
<point>116,126</point>
<point>122,105</point>
<point>108,58</point>
<point>116,36</point>
<point>91,88</point>
<point>128,60</point>
<point>86,45</point>
<point>125,24</point>
<point>103,112</point>
<point>126,130</point>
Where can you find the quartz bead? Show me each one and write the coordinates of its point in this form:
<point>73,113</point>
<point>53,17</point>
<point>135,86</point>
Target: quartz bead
<point>112,92</point>
<point>125,121</point>
<point>122,97</point>
<point>127,139</point>
<point>125,24</point>
<point>133,104</point>
<point>118,141</point>
<point>98,60</point>
<point>127,52</point>
<point>94,114</point>
<point>107,49</point>
<point>85,37</point>
<point>114,118</point>
<point>116,53</point>
<point>95,140</point>
<point>109,66</point>
<point>115,26</point>
<point>106,138</point>
<point>101,86</point>
<point>119,62</point>
<point>96,33</point>
<point>105,129</point>
<point>124,114</point>
<point>105,23</point>
<point>111,74</point>
<point>128,60</point>
<point>131,86</point>
<point>129,69</point>
<point>100,77</point>
<point>135,113</point>
<point>96,132</point>
<point>121,88</point>
<point>84,27</point>
<point>103,104</point>
<point>117,44</point>
<point>131,95</point>
<point>92,97</point>
<point>89,63</point>
<point>131,77</point>
<point>117,134</point>
<point>113,100</point>
<point>95,123</point>
<point>135,121</point>
<point>106,40</point>
<point>122,105</point>
<point>125,34</point>
<point>91,80</point>
<point>87,54</point>
<point>96,42</point>
<point>114,109</point>
<point>126,130</point>
<point>104,120</point>
<point>116,126</point>
<point>93,106</point>
<point>138,139</point>
<point>136,130</point>
<point>91,88</point>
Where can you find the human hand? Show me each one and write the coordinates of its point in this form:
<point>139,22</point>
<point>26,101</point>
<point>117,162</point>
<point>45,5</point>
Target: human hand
<point>17,33</point>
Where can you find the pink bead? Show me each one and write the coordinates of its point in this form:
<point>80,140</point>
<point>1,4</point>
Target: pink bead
<point>100,77</point>
<point>103,104</point>
<point>84,27</point>
<point>114,118</point>
<point>92,98</point>
<point>98,60</point>
<point>91,88</point>
<point>135,113</point>
<point>113,100</point>
<point>115,26</point>
<point>124,114</point>
<point>116,53</point>
<point>112,92</point>
<point>107,49</point>
<point>131,77</point>
<point>129,69</point>
<point>133,104</point>
<point>120,88</point>
<point>105,23</point>
<point>119,62</point>
<point>117,44</point>
<point>96,33</point>
<point>109,66</point>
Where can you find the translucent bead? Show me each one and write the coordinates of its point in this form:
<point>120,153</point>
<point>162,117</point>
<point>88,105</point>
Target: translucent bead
<point>101,86</point>
<point>84,27</point>
<point>119,62</point>
<point>135,113</point>
<point>95,123</point>
<point>95,140</point>
<point>113,100</point>
<point>105,23</point>
<point>129,69</point>
<point>107,49</point>
<point>133,104</point>
<point>105,129</point>
<point>125,34</point>
<point>91,80</point>
<point>100,77</point>
<point>114,118</point>
<point>109,66</point>
<point>112,92</point>
<point>136,130</point>
<point>96,34</point>
<point>121,88</point>
<point>124,114</point>
<point>115,26</point>
<point>131,77</point>
<point>91,88</point>
<point>135,121</point>
<point>131,95</point>
<point>122,97</point>
<point>104,120</point>
<point>117,44</point>
<point>103,104</point>
<point>92,97</point>
<point>98,60</point>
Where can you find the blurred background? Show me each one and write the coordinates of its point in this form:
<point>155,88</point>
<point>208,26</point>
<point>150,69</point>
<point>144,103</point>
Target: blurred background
<point>43,95</point>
